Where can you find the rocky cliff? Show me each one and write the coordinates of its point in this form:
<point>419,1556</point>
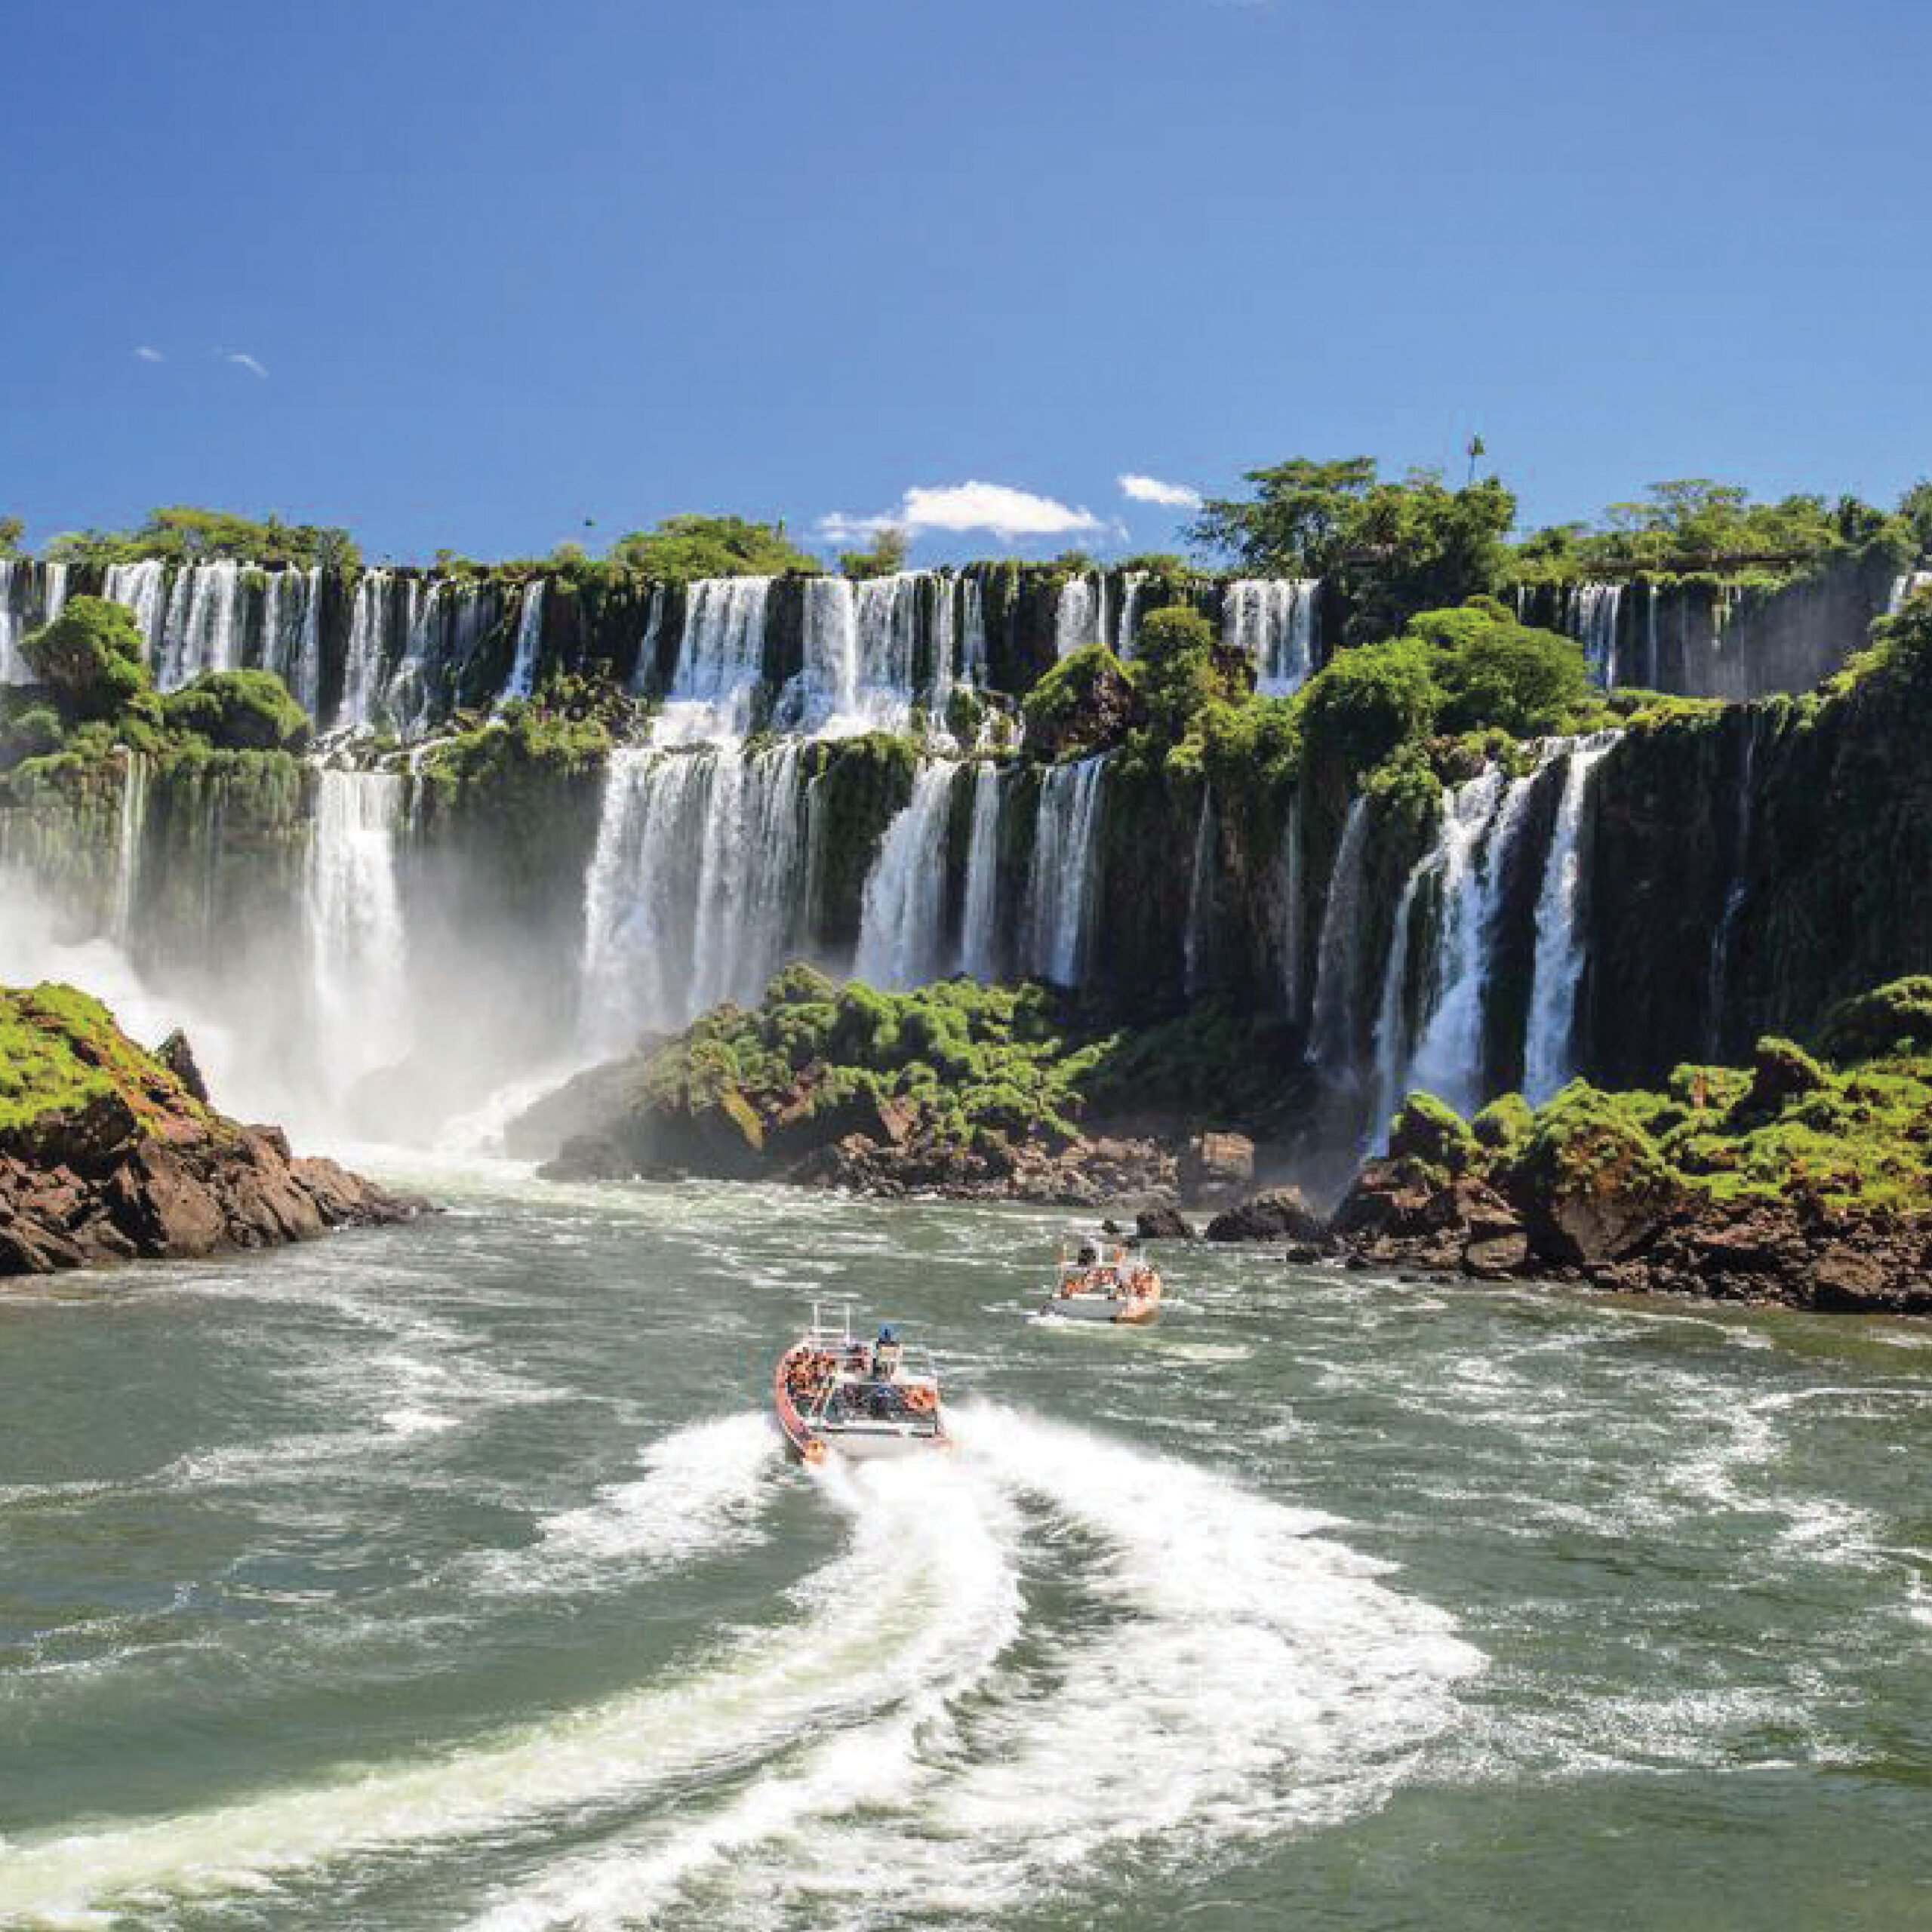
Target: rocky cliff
<point>108,1152</point>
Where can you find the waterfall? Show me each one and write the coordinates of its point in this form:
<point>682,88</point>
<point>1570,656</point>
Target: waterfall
<point>1132,583</point>
<point>973,666</point>
<point>291,633</point>
<point>1594,611</point>
<point>647,647</point>
<point>1909,585</point>
<point>1197,940</point>
<point>1066,860</point>
<point>522,679</point>
<point>12,667</point>
<point>354,923</point>
<point>1080,612</point>
<point>368,629</point>
<point>53,598</point>
<point>1464,871</point>
<point>199,633</point>
<point>721,662</point>
<point>979,930</point>
<point>139,587</point>
<point>861,668</point>
<point>694,888</point>
<point>1338,952</point>
<point>1292,871</point>
<point>1548,1054</point>
<point>1717,978</point>
<point>131,844</point>
<point>900,925</point>
<point>1272,620</point>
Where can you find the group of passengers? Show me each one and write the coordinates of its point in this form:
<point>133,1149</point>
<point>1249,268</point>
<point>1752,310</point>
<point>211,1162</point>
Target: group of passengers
<point>813,1375</point>
<point>1126,1275</point>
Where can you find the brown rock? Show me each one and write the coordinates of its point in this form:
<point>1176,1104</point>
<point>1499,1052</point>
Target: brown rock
<point>1276,1214</point>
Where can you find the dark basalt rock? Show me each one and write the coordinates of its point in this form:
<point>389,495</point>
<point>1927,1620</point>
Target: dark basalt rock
<point>1163,1223</point>
<point>1276,1214</point>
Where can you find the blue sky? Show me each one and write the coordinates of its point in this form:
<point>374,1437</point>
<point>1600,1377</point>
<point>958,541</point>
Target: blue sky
<point>500,269</point>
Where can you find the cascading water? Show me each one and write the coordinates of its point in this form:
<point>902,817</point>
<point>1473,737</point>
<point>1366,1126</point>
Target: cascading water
<point>140,586</point>
<point>1292,869</point>
<point>1272,620</point>
<point>1132,584</point>
<point>13,668</point>
<point>200,632</point>
<point>1063,886</point>
<point>1080,612</point>
<point>1548,1056</point>
<point>1717,978</point>
<point>721,662</point>
<point>1909,585</point>
<point>1197,941</point>
<point>979,927</point>
<point>901,927</point>
<point>973,665</point>
<point>1338,953</point>
<point>130,844</point>
<point>368,629</point>
<point>694,892</point>
<point>1595,611</point>
<point>646,646</point>
<point>353,924</point>
<point>522,679</point>
<point>1462,874</point>
<point>291,633</point>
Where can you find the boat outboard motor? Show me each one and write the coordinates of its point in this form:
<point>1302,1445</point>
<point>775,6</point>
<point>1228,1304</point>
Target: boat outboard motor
<point>1090,1254</point>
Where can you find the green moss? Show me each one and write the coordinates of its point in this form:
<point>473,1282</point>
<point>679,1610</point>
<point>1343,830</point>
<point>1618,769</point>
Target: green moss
<point>60,1052</point>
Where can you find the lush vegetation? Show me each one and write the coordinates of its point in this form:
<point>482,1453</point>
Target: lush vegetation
<point>238,711</point>
<point>92,662</point>
<point>60,1052</point>
<point>1694,524</point>
<point>968,1066</point>
<point>182,534</point>
<point>682,548</point>
<point>1850,1124</point>
<point>883,555</point>
<point>1391,547</point>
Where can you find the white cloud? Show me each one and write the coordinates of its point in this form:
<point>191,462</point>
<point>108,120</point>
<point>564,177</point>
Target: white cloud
<point>243,360</point>
<point>1008,513</point>
<point>147,355</point>
<point>1151,490</point>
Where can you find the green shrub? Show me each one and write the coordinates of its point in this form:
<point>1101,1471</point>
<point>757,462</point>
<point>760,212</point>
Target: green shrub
<point>242,711</point>
<point>90,658</point>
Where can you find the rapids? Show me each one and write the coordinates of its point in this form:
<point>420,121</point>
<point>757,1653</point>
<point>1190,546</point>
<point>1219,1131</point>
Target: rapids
<point>451,1577</point>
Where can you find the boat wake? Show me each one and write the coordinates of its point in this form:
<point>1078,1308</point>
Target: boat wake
<point>1051,1649</point>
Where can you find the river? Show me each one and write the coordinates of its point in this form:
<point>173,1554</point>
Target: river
<point>451,1576</point>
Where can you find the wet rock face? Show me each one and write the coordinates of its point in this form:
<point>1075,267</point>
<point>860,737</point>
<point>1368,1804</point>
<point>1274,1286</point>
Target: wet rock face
<point>1216,1168</point>
<point>1276,1214</point>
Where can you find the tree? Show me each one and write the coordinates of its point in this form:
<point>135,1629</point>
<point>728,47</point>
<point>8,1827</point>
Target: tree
<point>90,659</point>
<point>1181,667</point>
<point>11,529</point>
<point>1493,671</point>
<point>182,533</point>
<point>884,558</point>
<point>1391,547</point>
<point>683,547</point>
<point>1367,702</point>
<point>242,711</point>
<point>1916,506</point>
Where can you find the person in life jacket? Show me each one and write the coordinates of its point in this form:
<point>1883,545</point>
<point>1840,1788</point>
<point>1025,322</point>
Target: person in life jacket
<point>885,1356</point>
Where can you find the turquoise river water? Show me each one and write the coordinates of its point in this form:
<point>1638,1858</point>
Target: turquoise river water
<point>451,1576</point>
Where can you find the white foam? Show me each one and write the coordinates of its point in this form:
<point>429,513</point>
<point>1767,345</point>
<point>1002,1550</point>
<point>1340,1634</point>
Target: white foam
<point>702,1488</point>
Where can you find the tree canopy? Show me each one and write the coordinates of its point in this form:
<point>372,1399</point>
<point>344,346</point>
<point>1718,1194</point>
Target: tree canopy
<point>90,658</point>
<point>1393,547</point>
<point>683,547</point>
<point>180,533</point>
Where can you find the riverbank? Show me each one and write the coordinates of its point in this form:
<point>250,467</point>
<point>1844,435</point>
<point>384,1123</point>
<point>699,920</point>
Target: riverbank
<point>109,1153</point>
<point>1801,1179</point>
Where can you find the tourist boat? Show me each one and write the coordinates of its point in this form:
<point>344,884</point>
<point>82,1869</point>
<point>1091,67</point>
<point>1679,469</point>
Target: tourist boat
<point>1122,1287</point>
<point>834,1392</point>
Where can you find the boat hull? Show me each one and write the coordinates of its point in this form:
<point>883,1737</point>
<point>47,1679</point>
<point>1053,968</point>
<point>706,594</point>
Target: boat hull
<point>1122,1312</point>
<point>813,1440</point>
